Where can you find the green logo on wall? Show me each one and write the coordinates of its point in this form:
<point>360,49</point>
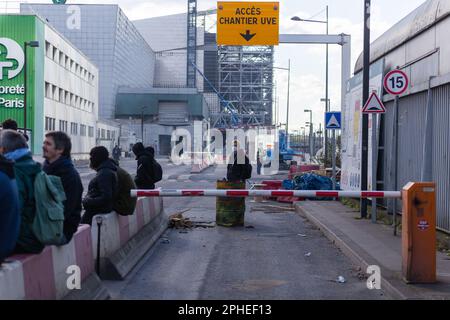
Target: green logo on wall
<point>11,59</point>
<point>59,1</point>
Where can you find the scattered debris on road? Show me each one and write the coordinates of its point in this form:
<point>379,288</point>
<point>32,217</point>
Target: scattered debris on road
<point>177,221</point>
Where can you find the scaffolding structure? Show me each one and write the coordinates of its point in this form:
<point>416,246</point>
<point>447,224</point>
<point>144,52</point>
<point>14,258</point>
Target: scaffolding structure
<point>246,82</point>
<point>191,43</point>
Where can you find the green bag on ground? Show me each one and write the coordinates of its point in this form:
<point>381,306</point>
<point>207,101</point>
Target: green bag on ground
<point>48,223</point>
<point>124,204</point>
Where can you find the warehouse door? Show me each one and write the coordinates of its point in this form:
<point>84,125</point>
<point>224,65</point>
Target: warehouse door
<point>173,113</point>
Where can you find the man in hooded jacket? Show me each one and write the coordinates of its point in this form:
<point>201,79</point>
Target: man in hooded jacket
<point>145,169</point>
<point>103,188</point>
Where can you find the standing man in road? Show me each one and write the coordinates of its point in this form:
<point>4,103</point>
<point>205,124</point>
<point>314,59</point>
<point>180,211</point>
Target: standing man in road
<point>117,153</point>
<point>239,167</point>
<point>146,176</point>
<point>258,162</point>
<point>57,149</point>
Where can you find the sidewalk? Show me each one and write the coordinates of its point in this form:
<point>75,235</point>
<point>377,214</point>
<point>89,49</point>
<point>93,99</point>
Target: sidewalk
<point>373,244</point>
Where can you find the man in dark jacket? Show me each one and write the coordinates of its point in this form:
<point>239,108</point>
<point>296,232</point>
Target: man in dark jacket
<point>9,208</point>
<point>239,167</point>
<point>14,147</point>
<point>145,169</point>
<point>56,150</point>
<point>103,188</point>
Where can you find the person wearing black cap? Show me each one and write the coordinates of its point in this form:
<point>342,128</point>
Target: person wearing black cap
<point>103,188</point>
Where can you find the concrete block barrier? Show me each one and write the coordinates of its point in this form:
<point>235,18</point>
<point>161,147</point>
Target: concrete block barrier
<point>124,240</point>
<point>47,276</point>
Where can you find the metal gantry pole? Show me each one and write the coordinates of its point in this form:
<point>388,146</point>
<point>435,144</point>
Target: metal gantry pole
<point>365,121</point>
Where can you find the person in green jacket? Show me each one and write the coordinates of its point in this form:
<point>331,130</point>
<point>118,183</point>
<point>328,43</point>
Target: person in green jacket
<point>14,147</point>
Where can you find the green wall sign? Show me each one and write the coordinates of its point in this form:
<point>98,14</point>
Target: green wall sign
<point>14,32</point>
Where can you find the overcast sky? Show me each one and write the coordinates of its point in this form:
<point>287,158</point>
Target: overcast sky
<point>307,61</point>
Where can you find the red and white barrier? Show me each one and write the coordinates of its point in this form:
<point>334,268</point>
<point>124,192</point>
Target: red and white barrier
<point>265,193</point>
<point>44,276</point>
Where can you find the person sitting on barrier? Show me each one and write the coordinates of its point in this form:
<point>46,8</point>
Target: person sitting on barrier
<point>56,151</point>
<point>103,188</point>
<point>239,167</point>
<point>148,172</point>
<point>9,208</point>
<point>14,147</point>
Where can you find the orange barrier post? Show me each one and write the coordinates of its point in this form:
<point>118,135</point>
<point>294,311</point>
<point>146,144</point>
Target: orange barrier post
<point>419,233</point>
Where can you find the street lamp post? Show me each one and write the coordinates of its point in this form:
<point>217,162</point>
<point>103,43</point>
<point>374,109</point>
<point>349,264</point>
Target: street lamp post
<point>326,70</point>
<point>32,44</point>
<point>311,130</point>
<point>288,69</point>
<point>142,123</point>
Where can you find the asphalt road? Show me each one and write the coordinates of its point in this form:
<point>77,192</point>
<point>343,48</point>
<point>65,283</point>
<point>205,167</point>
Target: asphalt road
<point>278,255</point>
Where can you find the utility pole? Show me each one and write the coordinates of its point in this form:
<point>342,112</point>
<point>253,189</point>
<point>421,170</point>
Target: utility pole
<point>365,122</point>
<point>142,123</point>
<point>288,96</point>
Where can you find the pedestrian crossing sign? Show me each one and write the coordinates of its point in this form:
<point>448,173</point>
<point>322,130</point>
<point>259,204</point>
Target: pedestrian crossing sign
<point>333,121</point>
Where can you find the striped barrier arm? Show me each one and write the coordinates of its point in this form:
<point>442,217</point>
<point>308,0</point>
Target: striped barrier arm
<point>265,193</point>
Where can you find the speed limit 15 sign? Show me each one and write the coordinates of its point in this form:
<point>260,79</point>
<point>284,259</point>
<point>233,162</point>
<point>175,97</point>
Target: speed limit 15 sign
<point>396,82</point>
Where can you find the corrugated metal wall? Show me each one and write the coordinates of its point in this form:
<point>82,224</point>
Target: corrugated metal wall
<point>441,160</point>
<point>412,117</point>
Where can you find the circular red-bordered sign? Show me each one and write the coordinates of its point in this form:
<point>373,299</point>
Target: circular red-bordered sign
<point>396,82</point>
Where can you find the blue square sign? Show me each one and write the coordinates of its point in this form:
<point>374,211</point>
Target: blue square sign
<point>333,121</point>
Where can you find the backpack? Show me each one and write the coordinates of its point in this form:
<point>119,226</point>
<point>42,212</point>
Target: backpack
<point>48,223</point>
<point>124,204</point>
<point>157,171</point>
<point>247,171</point>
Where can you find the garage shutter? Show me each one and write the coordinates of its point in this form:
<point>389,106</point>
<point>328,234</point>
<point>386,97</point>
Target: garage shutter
<point>173,113</point>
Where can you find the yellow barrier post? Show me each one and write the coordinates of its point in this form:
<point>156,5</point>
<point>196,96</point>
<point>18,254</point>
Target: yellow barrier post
<point>419,232</point>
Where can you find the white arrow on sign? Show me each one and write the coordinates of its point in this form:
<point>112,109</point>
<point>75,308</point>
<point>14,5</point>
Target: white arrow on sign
<point>374,105</point>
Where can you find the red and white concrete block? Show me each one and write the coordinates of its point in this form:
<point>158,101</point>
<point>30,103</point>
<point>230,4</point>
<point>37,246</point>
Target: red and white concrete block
<point>117,230</point>
<point>44,276</point>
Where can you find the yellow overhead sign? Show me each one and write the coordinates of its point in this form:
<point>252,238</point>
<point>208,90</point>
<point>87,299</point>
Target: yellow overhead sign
<point>248,23</point>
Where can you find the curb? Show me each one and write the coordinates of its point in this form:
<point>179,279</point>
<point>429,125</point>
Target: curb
<point>387,283</point>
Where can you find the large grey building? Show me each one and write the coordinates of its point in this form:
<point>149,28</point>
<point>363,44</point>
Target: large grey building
<point>110,40</point>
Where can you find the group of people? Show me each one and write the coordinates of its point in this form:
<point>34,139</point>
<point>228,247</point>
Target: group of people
<point>108,191</point>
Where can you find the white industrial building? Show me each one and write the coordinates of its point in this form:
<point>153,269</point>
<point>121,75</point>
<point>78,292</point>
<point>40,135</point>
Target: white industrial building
<point>71,93</point>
